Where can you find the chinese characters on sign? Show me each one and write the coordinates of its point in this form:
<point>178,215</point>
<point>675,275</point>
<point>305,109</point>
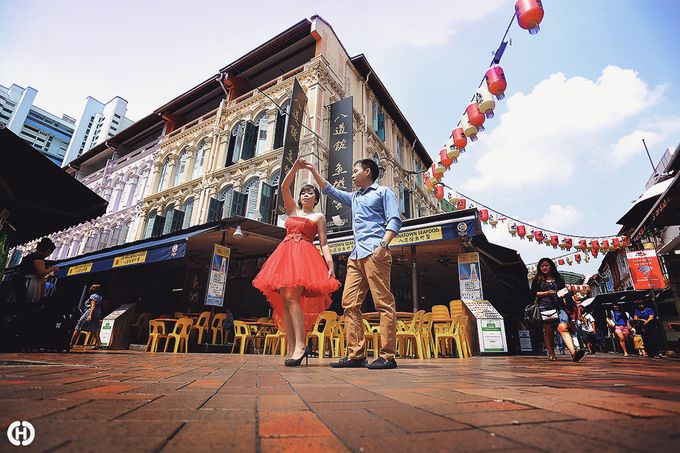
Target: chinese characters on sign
<point>291,143</point>
<point>417,236</point>
<point>340,162</point>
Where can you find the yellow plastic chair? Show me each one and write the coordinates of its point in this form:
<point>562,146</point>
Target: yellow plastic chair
<point>156,333</point>
<point>180,334</point>
<point>427,337</point>
<point>242,336</point>
<point>441,318</point>
<point>464,336</point>
<point>338,338</point>
<point>372,339</point>
<point>200,328</point>
<point>217,328</point>
<point>319,337</point>
<point>412,335</point>
<point>445,339</point>
<point>274,341</point>
<point>88,340</point>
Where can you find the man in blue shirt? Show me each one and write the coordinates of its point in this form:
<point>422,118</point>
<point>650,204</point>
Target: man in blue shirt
<point>375,221</point>
<point>648,327</point>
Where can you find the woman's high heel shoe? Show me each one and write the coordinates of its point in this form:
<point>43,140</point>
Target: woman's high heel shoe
<point>298,361</point>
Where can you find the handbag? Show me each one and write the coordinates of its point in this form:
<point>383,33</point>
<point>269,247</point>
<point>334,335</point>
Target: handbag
<point>548,316</point>
<point>532,313</point>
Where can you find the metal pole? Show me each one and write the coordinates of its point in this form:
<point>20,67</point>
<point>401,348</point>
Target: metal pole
<point>414,279</point>
<point>648,156</point>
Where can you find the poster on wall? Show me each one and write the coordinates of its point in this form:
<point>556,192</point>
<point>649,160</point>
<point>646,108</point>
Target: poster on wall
<point>470,276</point>
<point>645,270</point>
<point>217,278</point>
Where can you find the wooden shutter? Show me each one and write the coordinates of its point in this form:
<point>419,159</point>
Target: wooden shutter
<point>158,224</point>
<point>177,220</point>
<point>266,202</point>
<point>214,209</point>
<point>238,203</point>
<point>249,140</point>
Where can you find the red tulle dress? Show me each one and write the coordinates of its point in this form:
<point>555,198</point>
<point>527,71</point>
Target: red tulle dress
<point>296,262</point>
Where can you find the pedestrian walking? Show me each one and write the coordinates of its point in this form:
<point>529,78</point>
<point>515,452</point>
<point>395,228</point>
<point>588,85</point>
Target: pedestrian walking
<point>91,319</point>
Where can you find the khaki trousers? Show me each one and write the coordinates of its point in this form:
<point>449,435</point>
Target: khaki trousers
<point>362,275</point>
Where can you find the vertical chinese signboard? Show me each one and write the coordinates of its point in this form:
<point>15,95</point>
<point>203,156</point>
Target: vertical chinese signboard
<point>217,280</point>
<point>645,270</point>
<point>339,216</point>
<point>291,144</point>
<point>470,276</point>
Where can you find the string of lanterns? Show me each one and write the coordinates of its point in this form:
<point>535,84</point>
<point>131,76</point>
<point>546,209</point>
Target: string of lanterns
<point>529,14</point>
<point>581,245</point>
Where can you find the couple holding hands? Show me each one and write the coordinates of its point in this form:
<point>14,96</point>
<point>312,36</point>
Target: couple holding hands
<point>298,281</point>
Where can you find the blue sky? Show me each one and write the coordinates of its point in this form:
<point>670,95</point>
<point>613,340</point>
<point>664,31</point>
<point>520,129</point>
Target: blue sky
<point>563,151</point>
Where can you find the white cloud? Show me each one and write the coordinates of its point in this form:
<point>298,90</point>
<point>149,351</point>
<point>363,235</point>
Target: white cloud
<point>559,217</point>
<point>629,146</point>
<point>543,134</point>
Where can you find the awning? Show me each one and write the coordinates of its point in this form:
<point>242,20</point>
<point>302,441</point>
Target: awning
<point>642,205</point>
<point>622,297</point>
<point>665,211</point>
<point>41,197</point>
<point>135,254</point>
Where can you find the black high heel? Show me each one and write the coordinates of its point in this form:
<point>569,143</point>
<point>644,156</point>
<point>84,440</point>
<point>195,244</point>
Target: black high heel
<point>298,361</point>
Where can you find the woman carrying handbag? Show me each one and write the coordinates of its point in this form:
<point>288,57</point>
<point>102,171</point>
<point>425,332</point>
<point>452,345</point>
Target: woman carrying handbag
<point>545,288</point>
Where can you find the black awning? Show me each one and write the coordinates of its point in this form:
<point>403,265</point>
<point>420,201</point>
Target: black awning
<point>664,212</point>
<point>41,197</point>
<point>640,207</point>
<point>621,297</point>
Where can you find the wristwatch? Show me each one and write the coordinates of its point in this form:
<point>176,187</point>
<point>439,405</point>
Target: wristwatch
<point>384,244</point>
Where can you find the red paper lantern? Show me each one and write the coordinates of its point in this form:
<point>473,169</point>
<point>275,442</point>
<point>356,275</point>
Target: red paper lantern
<point>495,81</point>
<point>594,252</point>
<point>484,215</point>
<point>439,191</point>
<point>554,241</point>
<point>461,204</point>
<point>583,245</point>
<point>568,243</point>
<point>616,243</point>
<point>605,245</point>
<point>560,262</point>
<point>577,257</point>
<point>459,139</point>
<point>475,116</point>
<point>529,15</point>
<point>445,159</point>
<point>595,245</point>
<point>539,236</point>
<point>435,173</point>
<point>521,231</point>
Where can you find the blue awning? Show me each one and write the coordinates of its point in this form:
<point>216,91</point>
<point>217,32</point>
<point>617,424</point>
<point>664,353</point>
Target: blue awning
<point>142,252</point>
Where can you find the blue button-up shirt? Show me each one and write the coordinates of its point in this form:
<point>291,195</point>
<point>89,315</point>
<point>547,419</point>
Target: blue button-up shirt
<point>374,210</point>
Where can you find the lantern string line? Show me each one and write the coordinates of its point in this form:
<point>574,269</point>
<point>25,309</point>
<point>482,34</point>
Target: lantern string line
<point>493,60</point>
<point>560,256</point>
<point>573,236</point>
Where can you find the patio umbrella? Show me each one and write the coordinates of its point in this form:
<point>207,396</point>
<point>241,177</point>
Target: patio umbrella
<point>40,197</point>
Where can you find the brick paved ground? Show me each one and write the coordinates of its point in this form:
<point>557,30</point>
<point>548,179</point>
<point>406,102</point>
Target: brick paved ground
<point>132,401</point>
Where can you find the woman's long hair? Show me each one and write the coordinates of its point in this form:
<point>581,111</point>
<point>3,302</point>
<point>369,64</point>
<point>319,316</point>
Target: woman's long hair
<point>539,277</point>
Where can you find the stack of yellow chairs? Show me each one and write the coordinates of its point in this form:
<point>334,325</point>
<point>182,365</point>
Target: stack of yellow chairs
<point>427,338</point>
<point>200,328</point>
<point>217,328</point>
<point>454,334</point>
<point>372,339</point>
<point>338,338</point>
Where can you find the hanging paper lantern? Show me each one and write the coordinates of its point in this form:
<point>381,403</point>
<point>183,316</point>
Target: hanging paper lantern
<point>582,245</point>
<point>445,159</point>
<point>554,241</point>
<point>529,15</point>
<point>461,204</point>
<point>569,260</point>
<point>547,240</point>
<point>436,174</point>
<point>475,116</point>
<point>568,243</point>
<point>495,82</point>
<point>459,139</point>
<point>560,262</point>
<point>539,236</point>
<point>577,257</point>
<point>493,220</point>
<point>441,168</point>
<point>595,246</point>
<point>453,153</point>
<point>484,215</point>
<point>469,130</point>
<point>586,258</point>
<point>605,245</point>
<point>439,191</point>
<point>530,234</point>
<point>562,244</point>
<point>512,228</point>
<point>521,231</point>
<point>485,101</point>
<point>616,243</point>
<point>594,252</point>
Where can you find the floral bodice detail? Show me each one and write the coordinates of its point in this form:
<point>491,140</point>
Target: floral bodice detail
<point>299,228</point>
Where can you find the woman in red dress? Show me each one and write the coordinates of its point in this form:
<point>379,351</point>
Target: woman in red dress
<point>295,279</point>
